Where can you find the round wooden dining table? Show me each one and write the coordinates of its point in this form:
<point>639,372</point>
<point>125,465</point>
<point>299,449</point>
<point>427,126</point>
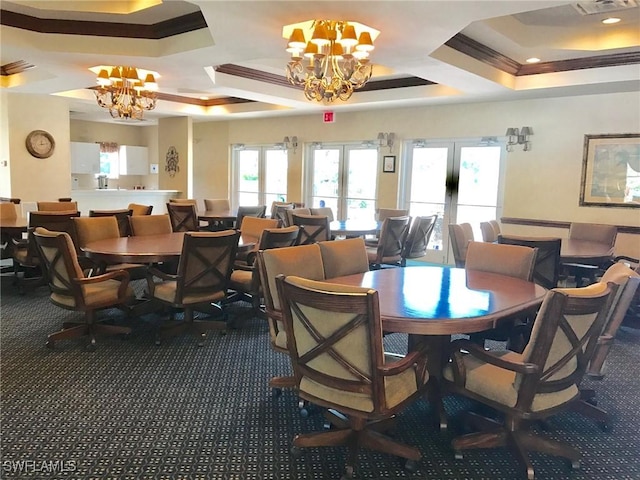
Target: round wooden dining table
<point>217,216</point>
<point>443,300</point>
<point>433,302</point>
<point>585,252</point>
<point>144,248</point>
<point>14,227</point>
<point>354,228</point>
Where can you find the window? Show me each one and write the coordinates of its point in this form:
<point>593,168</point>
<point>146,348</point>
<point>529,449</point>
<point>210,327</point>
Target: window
<point>109,159</point>
<point>259,176</point>
<point>344,178</point>
<point>459,181</point>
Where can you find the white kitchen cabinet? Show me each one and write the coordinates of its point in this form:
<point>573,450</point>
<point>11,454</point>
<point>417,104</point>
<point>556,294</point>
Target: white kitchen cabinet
<point>134,160</point>
<point>85,157</point>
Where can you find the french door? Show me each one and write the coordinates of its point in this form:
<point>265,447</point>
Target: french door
<point>345,178</point>
<point>459,181</point>
<point>259,176</point>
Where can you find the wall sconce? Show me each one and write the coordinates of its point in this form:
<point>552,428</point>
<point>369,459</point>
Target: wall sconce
<point>519,137</point>
<point>290,143</point>
<point>386,140</point>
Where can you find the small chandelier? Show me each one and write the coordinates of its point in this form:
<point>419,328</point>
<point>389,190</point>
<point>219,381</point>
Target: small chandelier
<point>338,59</point>
<point>124,93</point>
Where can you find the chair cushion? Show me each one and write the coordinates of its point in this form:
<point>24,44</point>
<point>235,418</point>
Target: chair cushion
<point>241,280</point>
<point>498,384</point>
<point>344,257</point>
<point>166,291</point>
<point>397,388</point>
<point>95,294</point>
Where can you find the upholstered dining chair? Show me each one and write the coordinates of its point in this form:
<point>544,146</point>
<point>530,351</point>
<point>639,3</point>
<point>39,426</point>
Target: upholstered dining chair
<point>184,201</point>
<point>302,260</point>
<point>138,209</point>
<point>279,213</point>
<point>28,268</point>
<point>592,232</point>
<point>258,211</point>
<point>335,343</point>
<point>252,228</point>
<point>323,211</point>
<point>150,224</point>
<point>510,260</point>
<point>71,290</point>
<point>546,270</point>
<point>183,217</point>
<point>274,205</point>
<point>121,216</point>
<point>489,233</point>
<point>344,257</point>
<point>627,282</point>
<point>217,204</point>
<point>8,211</point>
<point>296,211</point>
<point>382,214</point>
<point>417,241</point>
<point>313,228</point>
<point>460,235</point>
<point>57,206</point>
<point>393,234</point>
<point>202,278</point>
<point>245,279</point>
<point>93,229</point>
<point>542,381</point>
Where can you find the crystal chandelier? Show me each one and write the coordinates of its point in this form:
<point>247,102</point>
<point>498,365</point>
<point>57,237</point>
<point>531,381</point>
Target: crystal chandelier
<point>124,93</point>
<point>338,60</point>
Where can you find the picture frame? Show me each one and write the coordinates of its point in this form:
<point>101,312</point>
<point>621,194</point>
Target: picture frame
<point>389,163</point>
<point>611,171</point>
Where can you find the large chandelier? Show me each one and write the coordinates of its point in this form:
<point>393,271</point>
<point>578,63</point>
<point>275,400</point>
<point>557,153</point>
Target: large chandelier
<point>124,94</point>
<point>338,60</point>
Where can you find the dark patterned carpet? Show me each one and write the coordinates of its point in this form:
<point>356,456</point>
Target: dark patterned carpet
<point>134,410</point>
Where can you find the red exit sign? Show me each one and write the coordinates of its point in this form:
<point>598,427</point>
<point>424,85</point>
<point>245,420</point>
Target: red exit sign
<point>328,117</point>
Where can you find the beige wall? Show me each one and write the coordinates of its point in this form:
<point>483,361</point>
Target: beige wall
<point>177,132</point>
<point>542,184</point>
<point>33,178</point>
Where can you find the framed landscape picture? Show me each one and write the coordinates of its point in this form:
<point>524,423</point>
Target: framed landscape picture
<point>611,171</point>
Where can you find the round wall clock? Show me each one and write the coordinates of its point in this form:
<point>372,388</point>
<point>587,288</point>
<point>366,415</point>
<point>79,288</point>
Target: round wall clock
<point>40,144</point>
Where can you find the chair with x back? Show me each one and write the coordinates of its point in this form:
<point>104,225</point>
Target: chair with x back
<point>542,381</point>
<point>460,235</point>
<point>335,343</point>
<point>183,217</point>
<point>393,234</point>
<point>121,216</point>
<point>415,246</point>
<point>202,279</point>
<point>257,211</point>
<point>71,290</point>
<point>245,279</point>
<point>313,228</point>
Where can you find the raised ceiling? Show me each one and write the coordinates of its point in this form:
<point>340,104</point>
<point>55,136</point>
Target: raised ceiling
<point>225,59</point>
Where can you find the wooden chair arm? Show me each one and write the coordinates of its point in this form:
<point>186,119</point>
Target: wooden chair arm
<point>123,275</point>
<point>480,353</point>
<point>415,357</point>
<point>605,340</point>
<point>154,272</point>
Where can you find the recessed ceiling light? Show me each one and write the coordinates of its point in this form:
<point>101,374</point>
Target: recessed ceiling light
<point>610,20</point>
<point>204,98</point>
<point>533,60</point>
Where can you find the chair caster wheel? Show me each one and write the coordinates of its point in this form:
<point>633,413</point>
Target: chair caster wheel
<point>91,347</point>
<point>348,473</point>
<point>575,465</point>
<point>158,342</point>
<point>457,455</point>
<point>326,426</point>
<point>276,392</point>
<point>304,413</point>
<point>50,345</point>
<point>296,452</point>
<point>411,466</point>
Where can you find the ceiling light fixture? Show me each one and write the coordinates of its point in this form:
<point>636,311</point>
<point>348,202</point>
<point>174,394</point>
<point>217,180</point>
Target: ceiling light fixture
<point>610,20</point>
<point>124,93</point>
<point>338,58</point>
<point>533,60</point>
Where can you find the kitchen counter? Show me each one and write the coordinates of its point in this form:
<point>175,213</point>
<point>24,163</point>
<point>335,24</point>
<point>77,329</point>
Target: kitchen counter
<point>114,199</point>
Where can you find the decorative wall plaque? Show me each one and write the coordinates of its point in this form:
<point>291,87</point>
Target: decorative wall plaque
<point>172,162</point>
